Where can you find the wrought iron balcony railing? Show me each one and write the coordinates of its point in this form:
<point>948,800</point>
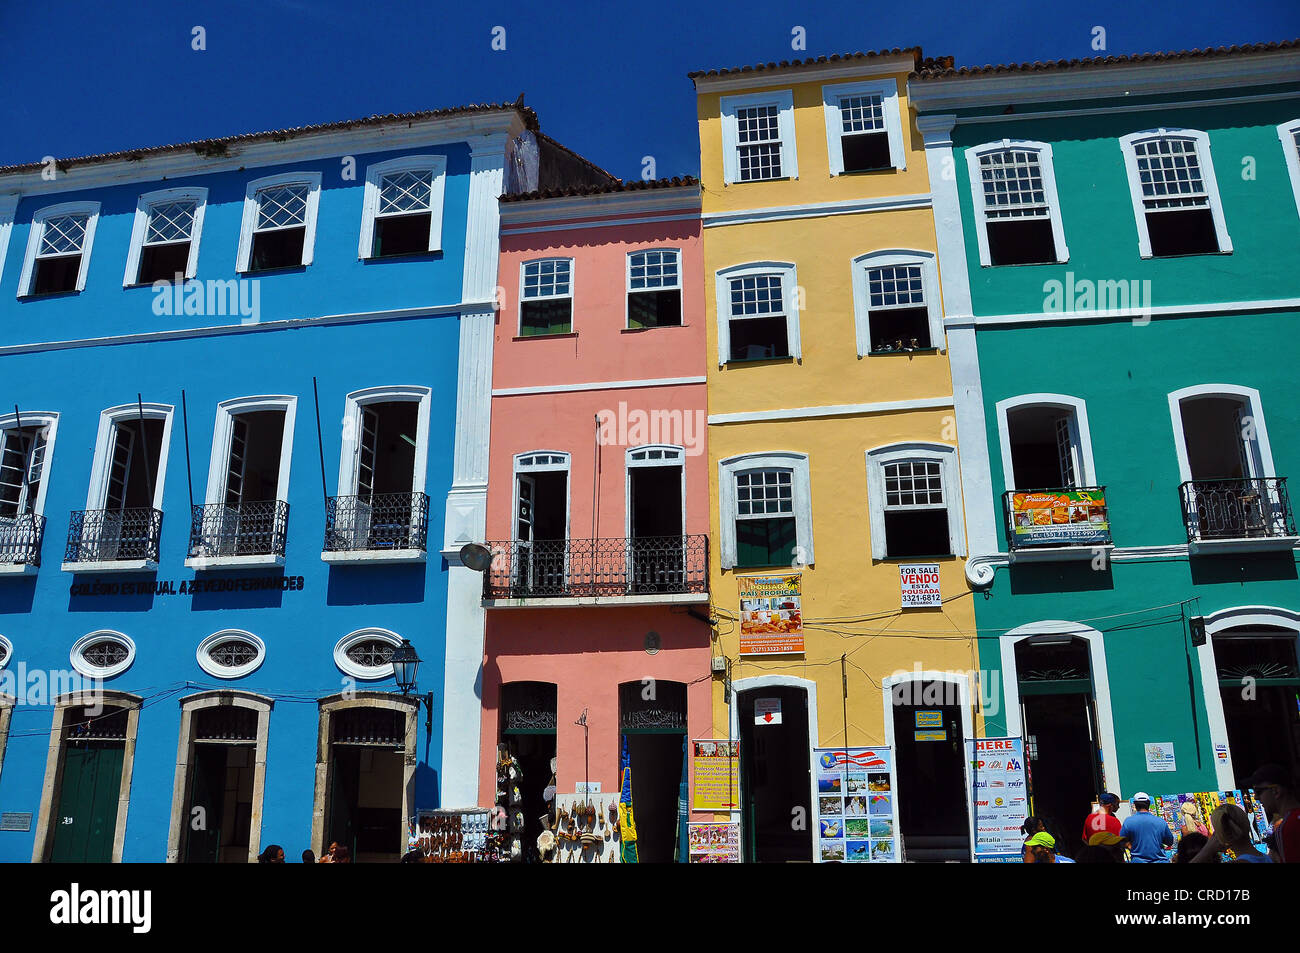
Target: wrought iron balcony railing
<point>1065,516</point>
<point>556,568</point>
<point>382,521</point>
<point>110,535</point>
<point>20,539</point>
<point>243,529</point>
<point>1251,508</point>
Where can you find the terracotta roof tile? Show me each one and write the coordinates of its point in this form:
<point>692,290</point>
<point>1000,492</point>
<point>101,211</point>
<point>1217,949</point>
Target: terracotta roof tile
<point>915,51</point>
<point>936,71</point>
<point>633,185</point>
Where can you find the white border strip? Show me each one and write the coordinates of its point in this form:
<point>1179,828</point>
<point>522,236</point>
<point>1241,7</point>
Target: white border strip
<point>1125,314</point>
<point>596,385</point>
<point>831,410</point>
<point>781,213</point>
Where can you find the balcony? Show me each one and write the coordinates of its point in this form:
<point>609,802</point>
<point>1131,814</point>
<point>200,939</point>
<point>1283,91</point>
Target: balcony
<point>1057,524</point>
<point>377,529</point>
<point>240,535</point>
<point>20,543</point>
<point>1239,515</point>
<point>648,570</point>
<point>122,540</point>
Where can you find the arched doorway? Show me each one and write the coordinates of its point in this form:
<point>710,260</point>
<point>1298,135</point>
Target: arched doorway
<point>652,722</point>
<point>775,772</point>
<point>1258,677</point>
<point>528,726</point>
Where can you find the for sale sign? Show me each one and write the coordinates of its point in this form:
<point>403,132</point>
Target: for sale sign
<point>920,586</point>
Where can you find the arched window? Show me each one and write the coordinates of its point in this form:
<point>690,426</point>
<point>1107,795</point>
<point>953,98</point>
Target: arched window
<point>1017,212</point>
<point>1175,194</point>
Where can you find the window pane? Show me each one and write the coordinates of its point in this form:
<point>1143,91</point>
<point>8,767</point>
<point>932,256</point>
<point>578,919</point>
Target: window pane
<point>652,269</point>
<point>1169,171</point>
<point>405,192</point>
<point>769,542</point>
<point>171,222</point>
<point>63,235</point>
<point>895,286</point>
<point>546,279</point>
<point>282,206</point>
<point>756,294</point>
<point>546,317</point>
<point>654,309</point>
<point>1013,184</point>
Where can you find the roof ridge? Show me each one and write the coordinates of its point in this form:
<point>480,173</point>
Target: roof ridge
<point>808,62</point>
<point>617,186</point>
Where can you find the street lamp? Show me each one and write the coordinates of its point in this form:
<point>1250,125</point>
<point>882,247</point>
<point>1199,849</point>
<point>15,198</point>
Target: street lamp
<point>406,664</point>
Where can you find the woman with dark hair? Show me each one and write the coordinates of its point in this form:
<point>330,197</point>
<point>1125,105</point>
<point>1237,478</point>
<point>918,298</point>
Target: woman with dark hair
<point>308,857</point>
<point>274,854</point>
<point>1189,845</point>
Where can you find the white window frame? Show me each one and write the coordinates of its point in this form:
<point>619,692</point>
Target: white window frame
<point>360,672</point>
<point>249,222</point>
<point>801,493</point>
<point>50,421</point>
<point>789,299</point>
<point>571,296</point>
<point>144,208</point>
<point>1086,474</point>
<point>8,211</point>
<point>1044,152</point>
<point>887,90</point>
<point>97,492</point>
<point>37,230</point>
<point>680,287</point>
<point>1261,455</point>
<point>783,99</point>
<point>677,460</point>
<point>1202,141</point>
<point>950,472</point>
<point>1286,134</point>
<point>209,665</point>
<point>862,293</point>
<point>518,467</point>
<point>84,667</point>
<point>353,403</point>
<point>223,430</point>
<point>370,204</point>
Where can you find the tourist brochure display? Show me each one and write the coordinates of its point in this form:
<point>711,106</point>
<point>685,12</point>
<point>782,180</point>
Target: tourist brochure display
<point>1060,518</point>
<point>1001,798</point>
<point>856,806</point>
<point>1193,813</point>
<point>713,843</point>
<point>717,774</point>
<point>771,620</point>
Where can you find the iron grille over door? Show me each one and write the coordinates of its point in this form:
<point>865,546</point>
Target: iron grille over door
<point>381,727</point>
<point>528,707</point>
<point>652,705</point>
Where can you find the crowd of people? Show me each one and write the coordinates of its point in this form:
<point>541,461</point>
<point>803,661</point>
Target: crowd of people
<point>337,854</point>
<point>1147,838</point>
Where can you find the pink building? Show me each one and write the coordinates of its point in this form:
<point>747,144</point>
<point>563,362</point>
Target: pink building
<point>597,506</point>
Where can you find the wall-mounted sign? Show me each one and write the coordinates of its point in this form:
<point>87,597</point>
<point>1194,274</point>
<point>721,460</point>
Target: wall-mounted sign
<point>857,806</point>
<point>920,586</point>
<point>1064,518</point>
<point>997,770</point>
<point>767,711</point>
<point>186,587</point>
<point>587,787</point>
<point>713,843</point>
<point>15,821</point>
<point>1160,756</point>
<point>717,774</point>
<point>771,621</point>
<point>930,735</point>
<point>929,719</point>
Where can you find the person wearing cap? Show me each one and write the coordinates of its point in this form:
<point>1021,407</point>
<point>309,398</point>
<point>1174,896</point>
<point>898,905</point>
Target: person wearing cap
<point>1276,791</point>
<point>1148,834</point>
<point>1109,841</point>
<point>1041,849</point>
<point>1103,819</point>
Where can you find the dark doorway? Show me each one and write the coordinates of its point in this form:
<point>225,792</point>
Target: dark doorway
<point>652,718</point>
<point>366,781</point>
<point>541,531</point>
<point>528,720</point>
<point>222,782</point>
<point>1062,742</point>
<point>933,817</point>
<point>1259,683</point>
<point>655,518</point>
<point>775,778</point>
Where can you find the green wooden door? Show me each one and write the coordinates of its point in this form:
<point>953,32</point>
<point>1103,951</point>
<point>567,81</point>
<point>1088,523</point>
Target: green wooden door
<point>86,820</point>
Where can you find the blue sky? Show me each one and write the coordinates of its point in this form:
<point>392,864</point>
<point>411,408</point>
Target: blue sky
<point>607,79</point>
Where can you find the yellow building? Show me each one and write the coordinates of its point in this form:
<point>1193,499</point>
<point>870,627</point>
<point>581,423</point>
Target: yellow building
<point>832,446</point>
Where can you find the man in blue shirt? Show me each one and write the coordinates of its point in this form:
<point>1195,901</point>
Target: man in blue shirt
<point>1147,833</point>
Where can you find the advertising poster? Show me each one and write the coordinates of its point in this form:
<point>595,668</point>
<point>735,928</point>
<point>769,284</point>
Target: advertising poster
<point>1064,518</point>
<point>1160,756</point>
<point>856,811</point>
<point>771,622</point>
<point>1001,798</point>
<point>713,843</point>
<point>920,585</point>
<point>717,774</point>
<point>1194,812</point>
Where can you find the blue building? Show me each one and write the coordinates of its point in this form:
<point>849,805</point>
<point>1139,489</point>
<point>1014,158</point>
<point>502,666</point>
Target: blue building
<point>200,592</point>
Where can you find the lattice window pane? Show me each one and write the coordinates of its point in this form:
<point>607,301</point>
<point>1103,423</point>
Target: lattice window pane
<point>371,653</point>
<point>913,484</point>
<point>862,113</point>
<point>764,493</point>
<point>547,279</point>
<point>233,653</point>
<point>405,192</point>
<point>653,269</point>
<point>759,142</point>
<point>896,286</point>
<point>64,235</point>
<point>1169,171</point>
<point>282,206</point>
<point>756,295</point>
<point>1013,184</point>
<point>105,654</point>
<point>170,222</point>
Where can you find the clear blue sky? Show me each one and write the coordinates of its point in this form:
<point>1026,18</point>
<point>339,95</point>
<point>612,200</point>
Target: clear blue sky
<point>607,79</point>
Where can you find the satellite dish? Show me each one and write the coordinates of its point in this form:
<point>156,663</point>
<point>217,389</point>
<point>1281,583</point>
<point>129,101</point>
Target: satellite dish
<point>476,557</point>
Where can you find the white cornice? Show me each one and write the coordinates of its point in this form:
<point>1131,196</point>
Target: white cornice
<point>980,569</point>
<point>298,147</point>
<point>832,410</point>
<point>1139,79</point>
<point>611,204</point>
<point>780,213</point>
<point>596,385</point>
<point>1123,314</point>
<point>1162,106</point>
<point>797,75</point>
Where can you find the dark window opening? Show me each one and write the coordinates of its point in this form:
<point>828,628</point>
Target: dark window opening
<point>253,466</point>
<point>1021,242</point>
<point>765,542</point>
<point>1183,232</point>
<point>387,453</point>
<point>1214,430</point>
<point>163,262</point>
<point>280,248</point>
<point>1042,453</point>
<point>554,316</point>
<point>131,473</point>
<point>756,339</point>
<point>917,533</point>
<point>56,275</point>
<point>654,309</point>
<point>866,152</point>
<point>402,235</point>
<point>900,329</point>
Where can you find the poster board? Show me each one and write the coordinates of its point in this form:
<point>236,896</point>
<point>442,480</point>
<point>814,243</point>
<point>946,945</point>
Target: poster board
<point>716,764</point>
<point>1194,810</point>
<point>997,771</point>
<point>856,811</point>
<point>713,843</point>
<point>771,615</point>
<point>1060,518</point>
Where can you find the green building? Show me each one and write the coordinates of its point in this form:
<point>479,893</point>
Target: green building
<point>1119,246</point>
